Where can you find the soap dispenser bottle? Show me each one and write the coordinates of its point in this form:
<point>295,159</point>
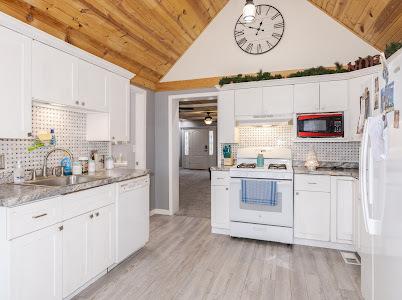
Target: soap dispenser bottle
<point>19,173</point>
<point>260,160</point>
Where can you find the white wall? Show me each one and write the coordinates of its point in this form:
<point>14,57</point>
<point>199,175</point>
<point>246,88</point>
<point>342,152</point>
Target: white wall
<point>311,39</point>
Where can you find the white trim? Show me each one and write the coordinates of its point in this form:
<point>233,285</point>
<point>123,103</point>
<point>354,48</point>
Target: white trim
<point>45,38</point>
<point>174,190</point>
<point>87,284</point>
<point>158,211</point>
<point>140,119</point>
<point>329,245</point>
<point>217,230</point>
<point>300,80</point>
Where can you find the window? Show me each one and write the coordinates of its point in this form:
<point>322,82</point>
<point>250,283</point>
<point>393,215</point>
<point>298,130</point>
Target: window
<point>211,142</point>
<point>186,142</point>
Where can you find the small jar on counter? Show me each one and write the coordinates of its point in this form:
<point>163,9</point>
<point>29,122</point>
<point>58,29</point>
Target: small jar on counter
<point>77,168</point>
<point>91,166</point>
<point>84,163</point>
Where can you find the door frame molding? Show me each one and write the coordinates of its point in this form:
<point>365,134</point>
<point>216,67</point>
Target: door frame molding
<point>173,148</point>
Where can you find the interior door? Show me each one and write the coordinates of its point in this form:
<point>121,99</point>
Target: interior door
<point>199,151</point>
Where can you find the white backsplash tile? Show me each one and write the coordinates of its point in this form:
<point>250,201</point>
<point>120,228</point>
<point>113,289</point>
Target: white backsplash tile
<point>70,130</point>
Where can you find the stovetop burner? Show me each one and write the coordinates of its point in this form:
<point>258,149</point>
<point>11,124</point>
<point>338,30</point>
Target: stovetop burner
<point>246,166</point>
<point>277,166</point>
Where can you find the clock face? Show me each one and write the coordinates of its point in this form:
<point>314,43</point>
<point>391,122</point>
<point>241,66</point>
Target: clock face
<point>263,34</point>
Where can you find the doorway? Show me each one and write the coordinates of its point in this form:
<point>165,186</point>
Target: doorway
<point>198,152</point>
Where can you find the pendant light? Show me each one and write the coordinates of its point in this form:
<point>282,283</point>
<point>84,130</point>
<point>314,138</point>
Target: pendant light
<point>249,11</point>
<point>208,119</point>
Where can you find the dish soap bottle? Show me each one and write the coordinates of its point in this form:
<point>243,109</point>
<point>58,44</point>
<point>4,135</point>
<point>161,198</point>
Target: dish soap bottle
<point>260,160</point>
<point>66,164</point>
<point>53,139</point>
<point>19,173</point>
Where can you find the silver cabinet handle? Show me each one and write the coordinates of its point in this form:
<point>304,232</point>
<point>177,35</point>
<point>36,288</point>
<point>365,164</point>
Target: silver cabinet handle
<point>91,216</point>
<point>77,102</point>
<point>97,214</point>
<point>83,103</point>
<point>39,216</point>
<point>312,182</point>
<point>227,189</point>
<point>297,193</point>
<point>61,228</point>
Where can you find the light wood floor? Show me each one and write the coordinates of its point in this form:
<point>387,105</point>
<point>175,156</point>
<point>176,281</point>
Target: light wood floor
<point>195,193</point>
<point>183,260</point>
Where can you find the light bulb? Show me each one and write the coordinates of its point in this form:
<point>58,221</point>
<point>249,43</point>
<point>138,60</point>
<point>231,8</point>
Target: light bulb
<point>249,11</point>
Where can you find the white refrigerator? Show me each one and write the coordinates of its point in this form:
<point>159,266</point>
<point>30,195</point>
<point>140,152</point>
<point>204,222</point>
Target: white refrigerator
<point>381,194</point>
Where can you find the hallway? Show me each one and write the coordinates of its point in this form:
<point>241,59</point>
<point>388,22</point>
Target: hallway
<point>195,194</point>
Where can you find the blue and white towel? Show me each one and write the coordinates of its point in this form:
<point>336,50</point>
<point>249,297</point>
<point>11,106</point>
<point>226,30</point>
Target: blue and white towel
<point>262,192</point>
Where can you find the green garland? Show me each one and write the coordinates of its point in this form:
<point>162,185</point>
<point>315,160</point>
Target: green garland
<point>268,76</point>
<point>391,48</point>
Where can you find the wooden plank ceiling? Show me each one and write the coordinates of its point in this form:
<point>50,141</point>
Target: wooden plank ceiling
<point>378,22</point>
<point>145,37</point>
<point>197,110</point>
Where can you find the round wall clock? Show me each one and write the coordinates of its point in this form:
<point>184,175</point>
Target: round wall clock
<point>263,34</point>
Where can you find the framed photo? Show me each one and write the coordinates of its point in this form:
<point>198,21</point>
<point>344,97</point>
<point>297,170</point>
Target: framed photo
<point>376,93</point>
<point>387,98</point>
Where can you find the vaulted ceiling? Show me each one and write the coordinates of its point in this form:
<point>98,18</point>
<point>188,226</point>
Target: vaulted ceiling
<point>147,37</point>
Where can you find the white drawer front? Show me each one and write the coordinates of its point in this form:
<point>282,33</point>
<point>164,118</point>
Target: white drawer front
<point>220,178</point>
<point>313,183</point>
<point>31,217</point>
<point>82,202</point>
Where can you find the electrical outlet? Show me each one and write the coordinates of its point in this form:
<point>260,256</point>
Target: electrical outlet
<point>2,162</point>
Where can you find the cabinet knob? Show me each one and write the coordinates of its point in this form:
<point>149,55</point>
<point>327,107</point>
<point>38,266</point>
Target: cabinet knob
<point>297,193</point>
<point>61,228</point>
<point>77,102</point>
<point>97,214</point>
<point>227,189</point>
<point>91,216</point>
<point>83,103</point>
<point>113,138</point>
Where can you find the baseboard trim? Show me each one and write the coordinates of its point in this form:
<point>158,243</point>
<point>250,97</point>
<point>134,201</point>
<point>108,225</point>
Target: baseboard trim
<point>158,211</point>
<point>329,245</point>
<point>218,230</point>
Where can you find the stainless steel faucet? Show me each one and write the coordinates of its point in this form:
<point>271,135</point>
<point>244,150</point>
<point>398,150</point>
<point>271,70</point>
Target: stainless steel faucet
<point>44,174</point>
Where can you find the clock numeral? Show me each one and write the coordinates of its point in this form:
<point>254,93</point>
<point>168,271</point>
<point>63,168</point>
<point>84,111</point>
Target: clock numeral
<point>249,47</point>
<point>275,16</point>
<point>239,33</point>
<point>258,10</point>
<point>279,25</point>
<point>268,9</point>
<point>269,45</point>
<point>277,35</point>
<point>259,48</point>
<point>242,42</point>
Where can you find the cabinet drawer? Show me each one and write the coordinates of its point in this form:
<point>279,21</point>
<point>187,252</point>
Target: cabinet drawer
<point>313,183</point>
<point>32,217</point>
<point>82,202</point>
<point>220,178</point>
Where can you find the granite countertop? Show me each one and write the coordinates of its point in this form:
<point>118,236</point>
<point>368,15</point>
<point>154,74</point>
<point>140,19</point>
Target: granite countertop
<point>352,172</point>
<point>221,168</point>
<point>15,194</point>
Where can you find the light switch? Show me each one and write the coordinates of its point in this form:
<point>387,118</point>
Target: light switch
<point>2,162</point>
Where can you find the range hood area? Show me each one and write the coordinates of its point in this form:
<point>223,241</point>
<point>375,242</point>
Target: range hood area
<point>267,120</point>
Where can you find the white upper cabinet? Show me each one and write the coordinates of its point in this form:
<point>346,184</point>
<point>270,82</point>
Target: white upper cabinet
<point>307,98</point>
<point>278,100</point>
<point>15,85</point>
<point>333,96</point>
<point>92,90</point>
<point>119,107</point>
<point>54,75</point>
<point>226,117</point>
<point>248,102</point>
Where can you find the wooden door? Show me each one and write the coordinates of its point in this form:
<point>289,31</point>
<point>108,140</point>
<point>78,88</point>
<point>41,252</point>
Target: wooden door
<point>75,253</point>
<point>199,148</point>
<point>226,117</point>
<point>278,100</point>
<point>15,85</point>
<point>248,102</point>
<point>334,96</point>
<point>307,98</point>
<point>119,107</point>
<point>220,206</point>
<point>36,265</point>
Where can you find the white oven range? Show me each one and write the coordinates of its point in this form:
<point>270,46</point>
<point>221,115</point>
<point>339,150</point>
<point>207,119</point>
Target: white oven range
<point>262,220</point>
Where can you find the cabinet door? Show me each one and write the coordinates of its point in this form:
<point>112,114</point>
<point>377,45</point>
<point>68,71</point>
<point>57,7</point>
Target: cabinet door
<point>15,85</point>
<point>312,215</point>
<point>101,240</point>
<point>342,194</point>
<point>307,98</point>
<point>54,75</point>
<point>248,102</point>
<point>334,96</point>
<point>36,265</point>
<point>226,117</point>
<point>119,107</point>
<point>92,86</point>
<point>220,206</point>
<point>278,100</point>
<point>75,253</point>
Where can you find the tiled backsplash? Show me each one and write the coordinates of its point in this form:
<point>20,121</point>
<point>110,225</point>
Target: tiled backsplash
<point>282,136</point>
<point>70,130</point>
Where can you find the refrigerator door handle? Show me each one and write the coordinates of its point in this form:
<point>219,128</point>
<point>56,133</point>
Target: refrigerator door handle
<point>373,226</point>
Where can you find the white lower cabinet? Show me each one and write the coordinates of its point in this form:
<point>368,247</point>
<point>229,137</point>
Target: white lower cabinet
<point>36,265</point>
<point>324,209</point>
<point>220,202</point>
<point>312,215</point>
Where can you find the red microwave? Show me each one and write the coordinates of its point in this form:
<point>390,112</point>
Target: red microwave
<point>329,125</point>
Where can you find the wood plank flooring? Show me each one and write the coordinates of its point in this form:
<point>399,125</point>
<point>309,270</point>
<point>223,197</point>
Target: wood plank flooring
<point>183,260</point>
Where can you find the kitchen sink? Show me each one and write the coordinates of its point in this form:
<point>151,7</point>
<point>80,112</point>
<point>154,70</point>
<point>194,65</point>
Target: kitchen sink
<point>64,180</point>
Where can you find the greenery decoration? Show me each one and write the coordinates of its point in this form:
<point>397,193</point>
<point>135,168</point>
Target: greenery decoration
<point>392,47</point>
<point>268,76</point>
<point>247,78</point>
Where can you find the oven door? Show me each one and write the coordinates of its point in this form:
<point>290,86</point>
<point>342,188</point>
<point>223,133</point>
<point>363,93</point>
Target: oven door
<point>280,214</point>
